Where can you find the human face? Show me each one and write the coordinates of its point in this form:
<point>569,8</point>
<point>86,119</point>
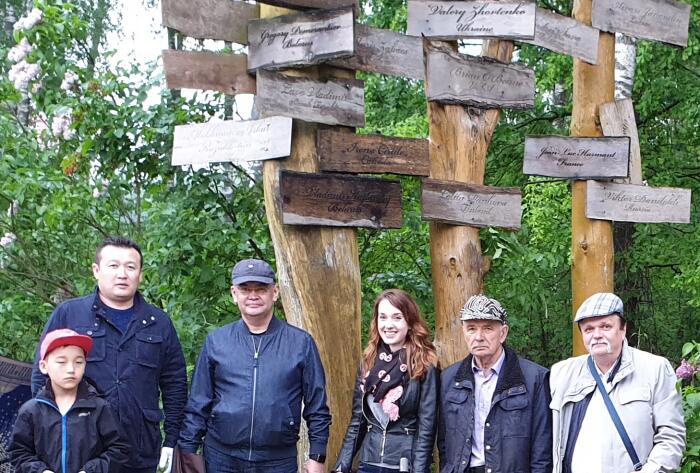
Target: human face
<point>485,340</point>
<point>65,367</point>
<point>391,324</point>
<point>603,336</point>
<point>255,299</point>
<point>118,275</point>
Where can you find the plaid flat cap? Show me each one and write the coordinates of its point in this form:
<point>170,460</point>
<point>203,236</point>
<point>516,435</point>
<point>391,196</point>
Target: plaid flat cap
<point>483,308</point>
<point>597,305</point>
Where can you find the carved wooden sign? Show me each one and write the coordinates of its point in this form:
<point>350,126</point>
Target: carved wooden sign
<point>207,71</point>
<point>233,141</point>
<point>483,83</point>
<point>477,206</point>
<point>300,39</point>
<point>661,20</point>
<point>641,204</point>
<point>577,157</point>
<point>443,19</point>
<point>386,52</point>
<point>340,201</point>
<point>333,102</point>
<point>347,152</point>
<point>313,4</point>
<point>565,35</point>
<point>210,19</point>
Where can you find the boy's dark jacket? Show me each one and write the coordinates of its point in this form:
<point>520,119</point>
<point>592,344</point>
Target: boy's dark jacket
<point>89,433</point>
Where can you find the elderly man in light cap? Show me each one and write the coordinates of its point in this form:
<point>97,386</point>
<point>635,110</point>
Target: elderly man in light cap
<point>641,392</point>
<point>494,405</point>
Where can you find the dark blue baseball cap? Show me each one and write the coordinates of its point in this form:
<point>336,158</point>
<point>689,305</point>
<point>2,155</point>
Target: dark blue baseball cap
<point>252,270</point>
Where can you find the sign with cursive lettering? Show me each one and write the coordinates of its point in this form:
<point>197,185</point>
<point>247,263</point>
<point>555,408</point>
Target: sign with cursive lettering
<point>661,20</point>
<point>313,4</point>
<point>479,82</point>
<point>340,201</point>
<point>232,141</point>
<point>641,204</point>
<point>347,152</point>
<point>442,19</point>
<point>300,39</point>
<point>565,35</point>
<point>386,52</point>
<point>333,102</point>
<point>577,157</point>
<point>226,20</point>
<point>207,71</point>
<point>470,204</point>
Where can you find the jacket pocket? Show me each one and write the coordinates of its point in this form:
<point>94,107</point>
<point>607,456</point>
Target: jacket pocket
<point>516,421</point>
<point>150,433</point>
<point>148,348</point>
<point>99,342</point>
<point>630,395</point>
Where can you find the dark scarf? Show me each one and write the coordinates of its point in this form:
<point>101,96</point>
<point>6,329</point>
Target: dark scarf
<point>389,370</point>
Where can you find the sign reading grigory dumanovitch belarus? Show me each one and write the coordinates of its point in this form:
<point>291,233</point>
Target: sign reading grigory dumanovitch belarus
<point>479,82</point>
<point>300,39</point>
<point>661,20</point>
<point>641,204</point>
<point>232,141</point>
<point>340,201</point>
<point>225,20</point>
<point>577,157</point>
<point>469,204</point>
<point>563,34</point>
<point>442,19</point>
<point>333,102</point>
<point>207,71</point>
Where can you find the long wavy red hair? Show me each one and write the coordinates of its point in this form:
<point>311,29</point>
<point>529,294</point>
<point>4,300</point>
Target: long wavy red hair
<point>419,348</point>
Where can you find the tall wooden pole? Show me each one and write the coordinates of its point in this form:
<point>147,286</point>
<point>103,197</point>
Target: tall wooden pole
<point>459,140</point>
<point>591,240</point>
<point>319,274</point>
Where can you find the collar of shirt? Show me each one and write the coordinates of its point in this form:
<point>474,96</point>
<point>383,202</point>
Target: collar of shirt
<point>495,369</point>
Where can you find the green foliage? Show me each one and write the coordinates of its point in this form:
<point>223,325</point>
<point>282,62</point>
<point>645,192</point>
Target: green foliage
<point>690,391</point>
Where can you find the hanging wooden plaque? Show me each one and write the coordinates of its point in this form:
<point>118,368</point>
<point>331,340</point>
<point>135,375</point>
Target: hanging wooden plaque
<point>226,20</point>
<point>641,204</point>
<point>563,34</point>
<point>207,71</point>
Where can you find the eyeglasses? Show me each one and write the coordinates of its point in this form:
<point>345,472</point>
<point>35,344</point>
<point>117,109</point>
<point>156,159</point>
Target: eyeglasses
<point>257,290</point>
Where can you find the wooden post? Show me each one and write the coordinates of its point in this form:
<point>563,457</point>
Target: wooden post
<point>319,276</point>
<point>459,140</point>
<point>591,240</point>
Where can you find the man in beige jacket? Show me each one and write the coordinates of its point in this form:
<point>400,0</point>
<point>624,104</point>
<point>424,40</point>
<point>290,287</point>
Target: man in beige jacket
<point>641,387</point>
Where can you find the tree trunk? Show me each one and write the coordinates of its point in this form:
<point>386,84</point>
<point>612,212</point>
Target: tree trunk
<point>625,65</point>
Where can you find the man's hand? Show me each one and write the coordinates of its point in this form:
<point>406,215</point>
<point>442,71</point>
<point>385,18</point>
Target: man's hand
<point>312,466</point>
<point>166,459</point>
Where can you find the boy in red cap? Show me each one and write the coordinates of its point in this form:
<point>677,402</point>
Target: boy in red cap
<point>67,427</point>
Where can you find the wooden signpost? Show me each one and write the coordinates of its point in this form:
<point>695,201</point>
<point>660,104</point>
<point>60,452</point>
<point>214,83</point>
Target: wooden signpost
<point>386,52</point>
<point>443,19</point>
<point>345,152</point>
<point>232,141</point>
<point>340,201</point>
<point>210,19</point>
<point>641,204</point>
<point>207,71</point>
<point>577,157</point>
<point>565,35</point>
<point>479,82</point>
<point>333,102</point>
<point>312,4</point>
<point>661,20</point>
<point>300,39</point>
<point>471,204</point>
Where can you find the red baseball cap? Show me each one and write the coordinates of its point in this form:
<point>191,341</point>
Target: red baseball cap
<point>63,337</point>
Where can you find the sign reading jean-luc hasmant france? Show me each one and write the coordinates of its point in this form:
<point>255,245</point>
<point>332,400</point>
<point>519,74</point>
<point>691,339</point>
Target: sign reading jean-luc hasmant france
<point>300,39</point>
<point>233,141</point>
<point>577,157</point>
<point>565,35</point>
<point>661,20</point>
<point>443,19</point>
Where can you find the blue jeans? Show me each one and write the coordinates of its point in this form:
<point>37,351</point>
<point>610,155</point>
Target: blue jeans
<point>219,462</point>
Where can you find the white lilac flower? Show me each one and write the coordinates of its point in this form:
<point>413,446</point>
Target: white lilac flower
<point>96,193</point>
<point>22,73</point>
<point>28,22</point>
<point>70,79</point>
<point>19,51</point>
<point>68,133</point>
<point>61,125</point>
<point>8,239</point>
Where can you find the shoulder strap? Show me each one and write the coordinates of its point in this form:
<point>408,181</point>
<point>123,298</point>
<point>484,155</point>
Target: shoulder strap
<point>615,418</point>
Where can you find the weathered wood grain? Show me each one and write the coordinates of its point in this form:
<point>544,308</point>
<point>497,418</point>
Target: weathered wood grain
<point>300,39</point>
<point>345,152</point>
<point>333,102</point>
<point>207,71</point>
<point>641,204</point>
<point>232,141</point>
<point>661,20</point>
<point>471,204</point>
<point>565,35</point>
<point>479,82</point>
<point>617,119</point>
<point>313,4</point>
<point>210,19</point>
<point>442,19</point>
<point>385,52</point>
<point>577,157</point>
<point>341,201</point>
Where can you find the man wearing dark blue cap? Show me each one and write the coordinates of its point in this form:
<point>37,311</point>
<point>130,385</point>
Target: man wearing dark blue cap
<point>249,383</point>
<point>641,388</point>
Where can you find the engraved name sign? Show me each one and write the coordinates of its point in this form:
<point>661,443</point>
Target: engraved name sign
<point>226,20</point>
<point>563,34</point>
<point>641,204</point>
<point>207,71</point>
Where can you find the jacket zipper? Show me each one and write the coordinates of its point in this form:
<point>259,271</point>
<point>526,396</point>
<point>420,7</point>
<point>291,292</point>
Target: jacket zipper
<point>64,433</point>
<point>256,352</point>
<point>370,423</point>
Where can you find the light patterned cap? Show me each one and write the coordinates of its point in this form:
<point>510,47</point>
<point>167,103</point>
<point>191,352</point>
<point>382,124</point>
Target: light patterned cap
<point>483,308</point>
<point>602,303</point>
